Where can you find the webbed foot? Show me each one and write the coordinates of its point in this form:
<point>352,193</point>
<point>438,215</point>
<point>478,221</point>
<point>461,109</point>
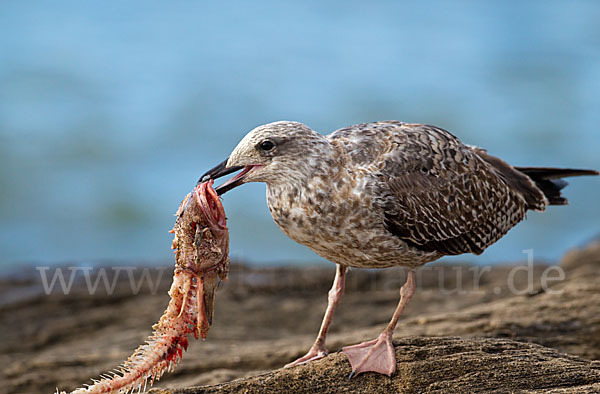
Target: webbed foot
<point>375,356</point>
<point>316,352</point>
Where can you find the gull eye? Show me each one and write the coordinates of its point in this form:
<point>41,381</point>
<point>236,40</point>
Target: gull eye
<point>266,145</point>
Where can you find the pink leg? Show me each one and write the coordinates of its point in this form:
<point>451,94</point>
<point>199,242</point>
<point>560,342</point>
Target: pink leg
<point>318,349</point>
<point>378,355</point>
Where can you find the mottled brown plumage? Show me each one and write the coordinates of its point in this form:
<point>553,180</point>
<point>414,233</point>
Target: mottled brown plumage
<point>385,194</point>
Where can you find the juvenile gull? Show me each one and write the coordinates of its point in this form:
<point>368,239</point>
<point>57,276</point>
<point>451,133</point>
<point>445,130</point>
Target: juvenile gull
<point>385,194</point>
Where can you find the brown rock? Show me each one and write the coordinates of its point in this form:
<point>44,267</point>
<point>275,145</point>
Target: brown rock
<point>443,364</point>
<point>266,317</point>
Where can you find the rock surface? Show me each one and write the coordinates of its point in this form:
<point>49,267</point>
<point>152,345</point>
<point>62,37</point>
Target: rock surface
<point>443,364</point>
<point>465,330</point>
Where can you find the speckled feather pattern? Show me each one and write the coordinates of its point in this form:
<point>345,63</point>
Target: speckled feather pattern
<point>390,193</point>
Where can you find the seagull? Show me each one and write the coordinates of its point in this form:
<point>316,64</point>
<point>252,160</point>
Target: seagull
<point>384,194</point>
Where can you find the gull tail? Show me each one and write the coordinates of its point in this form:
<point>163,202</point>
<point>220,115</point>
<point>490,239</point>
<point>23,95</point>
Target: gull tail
<point>550,182</point>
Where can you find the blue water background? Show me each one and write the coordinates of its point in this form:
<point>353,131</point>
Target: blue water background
<point>111,110</point>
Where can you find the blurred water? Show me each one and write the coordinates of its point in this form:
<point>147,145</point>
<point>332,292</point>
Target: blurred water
<point>110,111</point>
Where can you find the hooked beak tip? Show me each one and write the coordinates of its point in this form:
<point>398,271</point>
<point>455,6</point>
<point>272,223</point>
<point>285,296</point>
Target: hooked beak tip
<point>221,170</point>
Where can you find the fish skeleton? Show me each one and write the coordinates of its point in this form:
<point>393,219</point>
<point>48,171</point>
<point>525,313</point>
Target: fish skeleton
<point>201,245</point>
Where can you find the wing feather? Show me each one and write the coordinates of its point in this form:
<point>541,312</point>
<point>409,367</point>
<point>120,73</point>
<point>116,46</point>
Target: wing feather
<point>438,195</point>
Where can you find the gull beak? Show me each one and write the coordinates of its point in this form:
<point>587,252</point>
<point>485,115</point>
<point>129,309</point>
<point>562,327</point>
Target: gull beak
<point>218,171</point>
<point>221,170</point>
